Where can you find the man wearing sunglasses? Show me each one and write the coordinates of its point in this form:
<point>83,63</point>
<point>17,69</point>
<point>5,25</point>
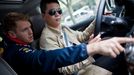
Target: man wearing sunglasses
<point>55,36</point>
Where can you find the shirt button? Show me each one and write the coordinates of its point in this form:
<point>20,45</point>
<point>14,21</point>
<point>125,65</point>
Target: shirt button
<point>61,37</point>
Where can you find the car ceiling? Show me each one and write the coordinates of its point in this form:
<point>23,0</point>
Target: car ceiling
<point>30,7</point>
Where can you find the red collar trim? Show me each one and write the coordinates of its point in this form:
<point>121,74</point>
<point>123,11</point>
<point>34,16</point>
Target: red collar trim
<point>16,40</point>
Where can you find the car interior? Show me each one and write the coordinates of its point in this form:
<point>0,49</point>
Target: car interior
<point>5,69</point>
<point>118,23</point>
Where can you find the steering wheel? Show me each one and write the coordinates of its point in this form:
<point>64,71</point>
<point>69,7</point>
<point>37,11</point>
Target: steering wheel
<point>99,16</point>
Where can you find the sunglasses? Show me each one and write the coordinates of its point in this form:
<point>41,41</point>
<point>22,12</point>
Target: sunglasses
<point>52,12</point>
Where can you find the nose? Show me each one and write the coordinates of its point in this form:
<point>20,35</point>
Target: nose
<point>30,31</point>
<point>57,14</point>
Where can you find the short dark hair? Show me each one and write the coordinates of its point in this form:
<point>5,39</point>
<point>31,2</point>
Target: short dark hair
<point>9,22</point>
<point>44,3</point>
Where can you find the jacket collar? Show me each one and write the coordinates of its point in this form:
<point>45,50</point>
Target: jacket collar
<point>16,40</point>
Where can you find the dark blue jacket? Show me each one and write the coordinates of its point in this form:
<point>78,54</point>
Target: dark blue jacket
<point>27,61</point>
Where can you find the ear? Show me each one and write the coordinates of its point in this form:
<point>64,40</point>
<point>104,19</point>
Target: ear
<point>12,34</point>
<point>43,16</point>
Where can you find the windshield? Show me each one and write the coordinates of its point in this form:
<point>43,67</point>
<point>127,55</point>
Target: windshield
<point>76,11</point>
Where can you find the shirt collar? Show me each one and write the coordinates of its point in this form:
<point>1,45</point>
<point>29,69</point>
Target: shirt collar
<point>55,30</point>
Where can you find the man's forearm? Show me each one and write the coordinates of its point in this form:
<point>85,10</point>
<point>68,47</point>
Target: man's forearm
<point>66,56</point>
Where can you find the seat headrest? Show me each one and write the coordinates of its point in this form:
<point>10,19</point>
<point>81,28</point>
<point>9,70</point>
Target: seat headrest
<point>37,24</point>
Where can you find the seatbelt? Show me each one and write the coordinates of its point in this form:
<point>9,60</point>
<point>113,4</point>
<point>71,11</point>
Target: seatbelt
<point>65,39</point>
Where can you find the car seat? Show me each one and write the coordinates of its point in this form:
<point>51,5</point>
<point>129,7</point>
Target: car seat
<point>37,26</point>
<point>5,69</point>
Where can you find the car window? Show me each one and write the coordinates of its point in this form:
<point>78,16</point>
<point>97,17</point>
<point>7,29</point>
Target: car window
<point>76,11</point>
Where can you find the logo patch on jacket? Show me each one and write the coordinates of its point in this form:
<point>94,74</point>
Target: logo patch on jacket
<point>26,50</point>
